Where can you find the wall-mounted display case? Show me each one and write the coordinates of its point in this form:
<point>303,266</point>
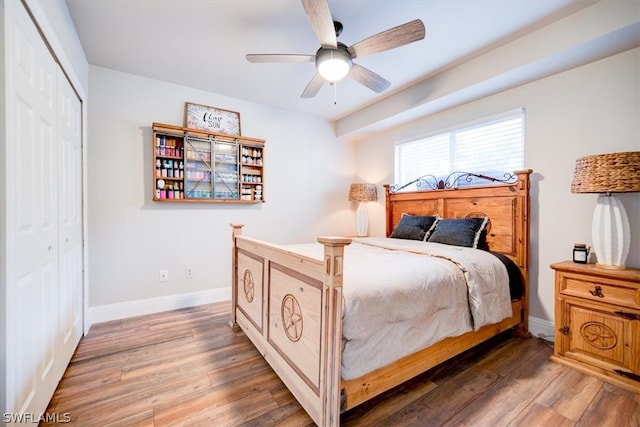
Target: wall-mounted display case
<point>192,165</point>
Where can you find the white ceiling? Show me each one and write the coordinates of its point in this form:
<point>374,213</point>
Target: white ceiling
<point>202,43</point>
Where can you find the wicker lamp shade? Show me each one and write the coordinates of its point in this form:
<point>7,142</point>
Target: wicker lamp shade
<point>607,173</point>
<point>363,192</point>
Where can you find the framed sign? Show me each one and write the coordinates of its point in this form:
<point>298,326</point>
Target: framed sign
<point>212,119</point>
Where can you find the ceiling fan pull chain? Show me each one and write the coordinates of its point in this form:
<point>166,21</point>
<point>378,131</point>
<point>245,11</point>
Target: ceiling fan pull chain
<point>335,93</point>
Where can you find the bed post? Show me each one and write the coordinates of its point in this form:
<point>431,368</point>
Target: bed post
<point>523,232</point>
<point>237,231</point>
<point>330,362</point>
<point>387,209</point>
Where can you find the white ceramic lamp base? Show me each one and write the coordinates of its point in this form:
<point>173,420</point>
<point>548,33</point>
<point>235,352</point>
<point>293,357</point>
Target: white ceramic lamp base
<point>611,233</point>
<point>362,220</point>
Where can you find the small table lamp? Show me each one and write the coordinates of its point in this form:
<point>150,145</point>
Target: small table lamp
<point>609,173</point>
<point>362,192</point>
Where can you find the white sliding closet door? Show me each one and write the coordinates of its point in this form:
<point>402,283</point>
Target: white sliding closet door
<point>69,219</point>
<point>43,217</point>
<point>32,289</point>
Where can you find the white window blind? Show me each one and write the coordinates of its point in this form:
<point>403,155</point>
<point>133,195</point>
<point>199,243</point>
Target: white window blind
<point>490,147</point>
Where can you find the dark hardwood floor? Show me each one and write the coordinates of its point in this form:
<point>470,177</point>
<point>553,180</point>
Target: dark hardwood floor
<point>188,367</point>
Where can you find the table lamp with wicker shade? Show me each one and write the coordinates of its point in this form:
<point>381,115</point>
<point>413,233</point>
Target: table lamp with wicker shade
<point>609,173</point>
<point>362,192</point>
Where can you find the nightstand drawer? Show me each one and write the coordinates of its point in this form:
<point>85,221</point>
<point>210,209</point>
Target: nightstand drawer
<point>596,290</point>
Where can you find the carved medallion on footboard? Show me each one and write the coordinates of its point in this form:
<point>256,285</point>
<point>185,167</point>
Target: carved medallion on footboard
<point>250,287</point>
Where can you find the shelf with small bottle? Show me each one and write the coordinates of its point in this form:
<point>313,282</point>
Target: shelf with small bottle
<point>193,165</point>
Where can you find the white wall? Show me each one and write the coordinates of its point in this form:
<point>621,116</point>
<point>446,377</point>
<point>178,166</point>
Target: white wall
<point>307,177</point>
<point>592,109</point>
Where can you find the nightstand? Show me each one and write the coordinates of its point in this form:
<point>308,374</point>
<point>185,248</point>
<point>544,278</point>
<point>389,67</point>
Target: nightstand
<point>597,321</point>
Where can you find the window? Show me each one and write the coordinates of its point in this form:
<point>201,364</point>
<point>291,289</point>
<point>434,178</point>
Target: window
<point>491,147</point>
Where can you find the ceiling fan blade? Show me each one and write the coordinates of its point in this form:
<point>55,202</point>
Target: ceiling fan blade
<point>368,78</point>
<point>313,87</point>
<point>321,22</point>
<point>276,57</point>
<point>392,38</point>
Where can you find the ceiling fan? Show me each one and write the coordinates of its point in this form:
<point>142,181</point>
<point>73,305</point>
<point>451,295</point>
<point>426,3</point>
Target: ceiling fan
<point>334,60</point>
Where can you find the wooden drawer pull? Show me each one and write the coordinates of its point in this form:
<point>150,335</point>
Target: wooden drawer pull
<point>626,315</point>
<point>597,292</point>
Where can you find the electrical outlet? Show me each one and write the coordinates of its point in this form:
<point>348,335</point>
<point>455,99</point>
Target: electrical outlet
<point>188,272</point>
<point>164,275</point>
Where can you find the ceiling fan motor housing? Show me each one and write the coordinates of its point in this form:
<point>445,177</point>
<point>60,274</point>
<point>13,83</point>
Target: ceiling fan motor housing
<point>337,25</point>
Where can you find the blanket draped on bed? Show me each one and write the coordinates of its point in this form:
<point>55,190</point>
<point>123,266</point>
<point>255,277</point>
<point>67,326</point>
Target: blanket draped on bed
<point>403,295</point>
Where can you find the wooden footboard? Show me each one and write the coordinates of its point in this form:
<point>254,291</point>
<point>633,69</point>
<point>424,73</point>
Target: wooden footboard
<point>290,306</point>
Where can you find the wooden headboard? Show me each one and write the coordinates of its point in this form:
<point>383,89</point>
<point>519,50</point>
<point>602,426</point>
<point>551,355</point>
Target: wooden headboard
<point>506,205</point>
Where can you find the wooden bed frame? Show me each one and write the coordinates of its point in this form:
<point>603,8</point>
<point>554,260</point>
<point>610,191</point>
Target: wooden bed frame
<point>290,305</point>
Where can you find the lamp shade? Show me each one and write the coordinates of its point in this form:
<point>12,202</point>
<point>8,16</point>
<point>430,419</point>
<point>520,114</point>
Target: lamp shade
<point>363,192</point>
<point>607,173</point>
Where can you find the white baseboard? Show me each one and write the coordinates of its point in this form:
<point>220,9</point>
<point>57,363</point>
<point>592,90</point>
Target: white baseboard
<point>541,328</point>
<point>122,310</point>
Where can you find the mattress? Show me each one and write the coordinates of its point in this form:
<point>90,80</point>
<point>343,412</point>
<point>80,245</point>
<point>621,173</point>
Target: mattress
<point>401,296</point>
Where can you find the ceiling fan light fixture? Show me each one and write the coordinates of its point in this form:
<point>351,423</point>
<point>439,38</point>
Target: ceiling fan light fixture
<point>333,64</point>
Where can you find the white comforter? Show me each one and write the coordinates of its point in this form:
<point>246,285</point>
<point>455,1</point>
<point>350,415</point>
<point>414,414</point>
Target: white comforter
<point>403,295</point>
